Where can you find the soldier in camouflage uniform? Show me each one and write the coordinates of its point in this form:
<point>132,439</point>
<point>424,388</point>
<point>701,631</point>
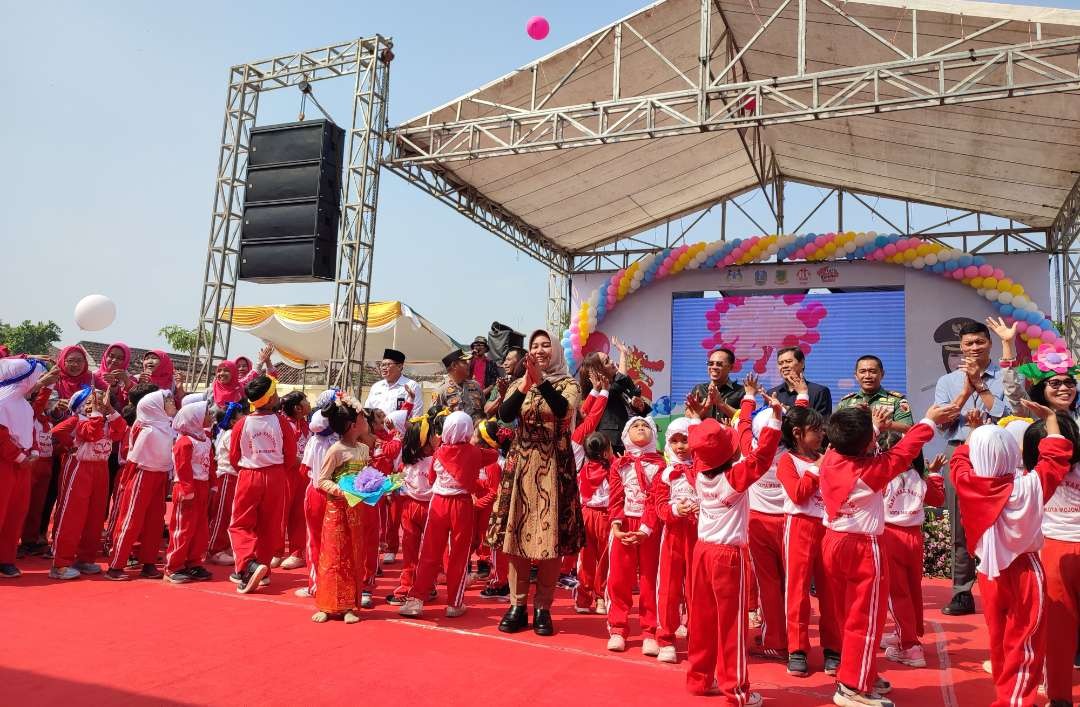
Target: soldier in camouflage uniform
<point>869,371</point>
<point>460,392</point>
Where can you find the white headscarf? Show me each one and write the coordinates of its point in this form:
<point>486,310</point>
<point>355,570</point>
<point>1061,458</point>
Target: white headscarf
<point>153,447</point>
<point>679,426</point>
<point>994,452</point>
<point>190,419</point>
<point>457,429</point>
<point>16,414</point>
<point>399,419</point>
<point>1017,428</point>
<point>632,448</point>
<point>318,422</point>
<point>192,398</point>
<point>556,369</point>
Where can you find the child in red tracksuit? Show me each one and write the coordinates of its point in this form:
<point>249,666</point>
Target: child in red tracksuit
<point>296,410</point>
<point>417,476</point>
<point>592,453</point>
<point>677,507</point>
<point>83,506</point>
<point>1002,513</point>
<point>219,550</point>
<point>142,509</point>
<point>905,499</point>
<point>634,547</point>
<point>193,461</point>
<point>492,435</point>
<point>801,437</point>
<point>263,452</point>
<point>853,481</point>
<point>33,541</point>
<point>457,466</point>
<point>717,658</point>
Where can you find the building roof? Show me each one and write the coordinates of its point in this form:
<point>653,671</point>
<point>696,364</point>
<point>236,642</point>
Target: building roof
<point>1014,157</point>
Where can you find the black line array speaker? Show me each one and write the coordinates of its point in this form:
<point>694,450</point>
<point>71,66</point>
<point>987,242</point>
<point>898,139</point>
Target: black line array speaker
<point>292,203</point>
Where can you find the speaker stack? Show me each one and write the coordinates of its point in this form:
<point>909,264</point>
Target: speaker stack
<point>292,204</point>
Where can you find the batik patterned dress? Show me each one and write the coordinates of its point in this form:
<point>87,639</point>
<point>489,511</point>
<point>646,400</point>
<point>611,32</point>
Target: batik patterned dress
<point>341,554</point>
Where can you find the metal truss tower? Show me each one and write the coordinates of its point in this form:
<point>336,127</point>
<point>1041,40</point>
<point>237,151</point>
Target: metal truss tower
<point>368,61</point>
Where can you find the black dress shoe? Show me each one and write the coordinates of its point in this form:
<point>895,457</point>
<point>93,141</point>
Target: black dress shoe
<point>515,619</point>
<point>542,623</point>
<point>962,604</point>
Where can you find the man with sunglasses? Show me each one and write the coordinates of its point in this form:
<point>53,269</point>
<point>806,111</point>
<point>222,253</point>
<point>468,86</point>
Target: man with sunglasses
<point>977,384</point>
<point>395,391</point>
<point>721,394</point>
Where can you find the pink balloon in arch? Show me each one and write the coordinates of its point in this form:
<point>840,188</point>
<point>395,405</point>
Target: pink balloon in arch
<point>537,27</point>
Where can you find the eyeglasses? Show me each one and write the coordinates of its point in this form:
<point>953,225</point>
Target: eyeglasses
<point>1056,383</point>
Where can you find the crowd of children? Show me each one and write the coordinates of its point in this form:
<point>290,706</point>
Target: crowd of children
<point>772,508</point>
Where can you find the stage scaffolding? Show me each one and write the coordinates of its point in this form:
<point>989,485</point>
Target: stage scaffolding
<point>367,61</point>
<point>586,105</point>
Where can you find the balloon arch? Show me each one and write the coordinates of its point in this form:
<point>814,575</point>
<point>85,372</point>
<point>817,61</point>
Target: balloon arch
<point>1009,297</point>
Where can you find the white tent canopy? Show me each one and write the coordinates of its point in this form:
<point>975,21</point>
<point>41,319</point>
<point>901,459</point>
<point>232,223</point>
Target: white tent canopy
<point>301,333</point>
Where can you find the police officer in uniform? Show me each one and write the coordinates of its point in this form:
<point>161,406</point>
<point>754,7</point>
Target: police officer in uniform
<point>869,370</point>
<point>460,391</point>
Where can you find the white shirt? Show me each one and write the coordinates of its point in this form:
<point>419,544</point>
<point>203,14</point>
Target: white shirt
<point>862,512</point>
<point>201,453</point>
<point>1061,517</point>
<point>813,506</point>
<point>767,494</point>
<point>221,452</point>
<point>723,512</point>
<point>414,481</point>
<point>385,396</point>
<point>905,500</point>
<point>43,440</point>
<point>601,496</point>
<point>635,497</point>
<point>261,442</point>
<point>680,489</point>
<point>100,450</point>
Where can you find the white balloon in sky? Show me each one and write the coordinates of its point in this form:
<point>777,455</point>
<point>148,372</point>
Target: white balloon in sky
<point>95,312</point>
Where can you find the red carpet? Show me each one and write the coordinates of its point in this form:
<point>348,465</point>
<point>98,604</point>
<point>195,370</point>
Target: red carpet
<point>147,642</point>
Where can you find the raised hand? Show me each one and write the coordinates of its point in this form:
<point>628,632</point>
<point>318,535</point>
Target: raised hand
<point>775,404</point>
<point>881,417</point>
<point>975,418</point>
<point>942,414</point>
<point>1002,330</point>
<point>264,353</point>
<point>750,384</point>
<point>936,464</point>
<point>1040,411</point>
<point>695,407</point>
<point>49,377</point>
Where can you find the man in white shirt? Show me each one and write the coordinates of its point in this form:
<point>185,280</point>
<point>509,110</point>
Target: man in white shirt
<point>395,391</point>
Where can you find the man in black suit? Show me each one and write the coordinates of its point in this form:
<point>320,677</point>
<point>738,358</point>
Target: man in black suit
<point>792,363</point>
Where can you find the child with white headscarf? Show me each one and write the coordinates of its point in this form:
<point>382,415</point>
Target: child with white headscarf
<point>189,528</point>
<point>1002,513</point>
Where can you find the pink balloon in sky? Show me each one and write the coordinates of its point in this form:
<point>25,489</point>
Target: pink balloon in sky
<point>537,27</point>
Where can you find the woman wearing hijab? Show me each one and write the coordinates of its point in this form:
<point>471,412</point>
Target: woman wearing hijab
<point>1002,513</point>
<point>17,378</point>
<point>74,371</point>
<point>537,514</point>
<point>227,387</point>
<point>112,374</point>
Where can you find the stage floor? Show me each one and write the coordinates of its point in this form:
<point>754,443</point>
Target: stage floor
<point>145,642</point>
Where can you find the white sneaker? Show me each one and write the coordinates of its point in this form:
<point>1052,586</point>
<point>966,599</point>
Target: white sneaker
<point>601,607</point>
<point>87,567</point>
<point>846,697</point>
<point>582,610</point>
<point>452,612</point>
<point>753,699</point>
<point>64,573</point>
<point>890,640</point>
<point>988,667</point>
<point>389,558</point>
<point>275,563</point>
<point>221,558</point>
<point>413,608</point>
<point>292,562</point>
<point>366,602</point>
<point>650,647</point>
<point>667,655</point>
<point>616,643</point>
<point>303,593</point>
<point>913,656</point>
<point>682,632</point>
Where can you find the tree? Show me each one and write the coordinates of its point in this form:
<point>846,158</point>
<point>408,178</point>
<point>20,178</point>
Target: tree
<point>180,339</point>
<point>30,337</point>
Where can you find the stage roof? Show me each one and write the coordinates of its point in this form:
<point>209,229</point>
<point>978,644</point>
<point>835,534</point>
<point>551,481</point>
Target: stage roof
<point>1012,157</point>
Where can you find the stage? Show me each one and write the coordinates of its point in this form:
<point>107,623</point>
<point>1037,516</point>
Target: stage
<point>147,642</point>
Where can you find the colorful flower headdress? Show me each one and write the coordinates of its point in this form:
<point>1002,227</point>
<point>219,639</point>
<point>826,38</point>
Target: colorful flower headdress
<point>1047,362</point>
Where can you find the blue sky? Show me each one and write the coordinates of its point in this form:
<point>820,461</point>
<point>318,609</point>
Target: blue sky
<point>112,118</point>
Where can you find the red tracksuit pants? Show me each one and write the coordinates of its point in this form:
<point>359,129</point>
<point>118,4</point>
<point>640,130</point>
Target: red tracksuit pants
<point>1014,604</point>
<point>15,486</point>
<point>220,513</point>
<point>189,528</point>
<point>675,583</point>
<point>448,517</point>
<point>141,518</point>
<point>255,529</point>
<point>856,571</point>
<point>390,535</point>
<point>718,622</point>
<point>592,569</point>
<point>413,518</point>
<point>372,528</point>
<point>39,489</point>
<point>1061,561</point>
<point>293,523</point>
<point>766,543</point>
<point>803,563</point>
<point>628,564</point>
<point>82,514</point>
<point>120,489</point>
<point>904,548</point>
<point>314,511</point>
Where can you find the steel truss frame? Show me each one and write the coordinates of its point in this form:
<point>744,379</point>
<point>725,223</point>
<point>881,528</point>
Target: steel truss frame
<point>725,98</point>
<point>368,60</point>
<point>1063,238</point>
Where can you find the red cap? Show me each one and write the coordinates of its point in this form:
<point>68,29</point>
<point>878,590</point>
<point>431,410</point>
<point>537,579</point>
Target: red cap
<point>712,445</point>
